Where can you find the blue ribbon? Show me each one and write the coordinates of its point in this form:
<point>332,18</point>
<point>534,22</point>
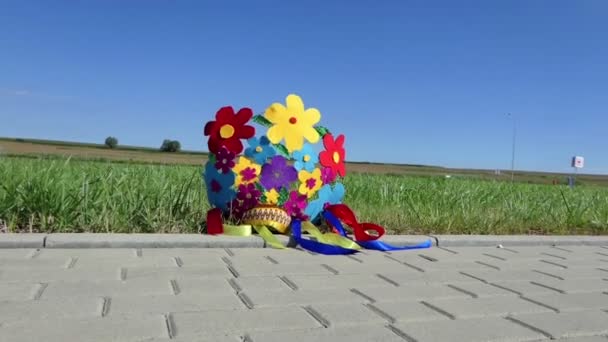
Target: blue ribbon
<point>375,244</point>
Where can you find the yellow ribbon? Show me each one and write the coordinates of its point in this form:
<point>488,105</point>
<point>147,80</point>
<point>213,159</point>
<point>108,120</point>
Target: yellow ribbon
<point>242,230</point>
<point>267,235</point>
<point>329,238</point>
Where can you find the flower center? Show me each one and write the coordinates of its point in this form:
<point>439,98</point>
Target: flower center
<point>310,183</point>
<point>307,158</point>
<point>293,120</point>
<point>336,157</point>
<point>225,161</point>
<point>248,196</point>
<point>215,186</point>
<point>226,131</point>
<point>248,174</point>
<point>258,149</point>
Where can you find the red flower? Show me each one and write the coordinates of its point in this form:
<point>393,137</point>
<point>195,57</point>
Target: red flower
<point>229,129</point>
<point>333,156</point>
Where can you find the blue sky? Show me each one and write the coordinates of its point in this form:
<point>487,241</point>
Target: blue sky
<point>422,82</point>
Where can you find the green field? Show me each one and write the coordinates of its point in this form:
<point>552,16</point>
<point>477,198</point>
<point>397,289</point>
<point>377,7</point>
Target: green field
<point>64,195</point>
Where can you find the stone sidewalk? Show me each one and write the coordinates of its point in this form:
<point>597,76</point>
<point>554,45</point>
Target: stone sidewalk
<point>516,293</point>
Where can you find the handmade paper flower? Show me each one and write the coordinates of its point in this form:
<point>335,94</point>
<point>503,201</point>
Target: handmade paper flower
<point>306,158</point>
<point>327,196</point>
<point>295,205</point>
<point>260,149</point>
<point>310,182</point>
<point>219,187</point>
<point>334,154</point>
<point>246,171</point>
<point>224,160</point>
<point>292,123</point>
<point>237,208</point>
<point>272,196</point>
<point>277,173</point>
<point>327,175</point>
<point>228,129</point>
<point>249,194</point>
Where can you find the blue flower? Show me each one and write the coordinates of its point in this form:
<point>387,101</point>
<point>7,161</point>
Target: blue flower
<point>219,186</point>
<point>260,149</point>
<point>327,195</point>
<point>306,158</point>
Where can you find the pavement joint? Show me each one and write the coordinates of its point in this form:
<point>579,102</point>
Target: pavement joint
<point>71,263</point>
<point>400,333</point>
<point>229,252</point>
<point>175,287</point>
<point>232,282</point>
<point>438,310</point>
<point>562,249</point>
<point>246,300</point>
<point>380,312</point>
<point>363,295</point>
<point>469,293</point>
<point>39,290</point>
<point>539,304</point>
<point>330,269</point>
<point>105,304</point>
<point>123,274</point>
<point>531,327</point>
<point>317,316</point>
<point>289,283</point>
<point>547,287</point>
<point>554,255</point>
<point>170,325</point>
<point>178,261</point>
<point>271,259</point>
<point>387,279</point>
<point>446,249</point>
<point>553,263</point>
<point>494,256</point>
<point>472,276</point>
<point>138,252</point>
<point>548,274</point>
<point>426,257</point>
<point>488,265</point>
<point>234,272</point>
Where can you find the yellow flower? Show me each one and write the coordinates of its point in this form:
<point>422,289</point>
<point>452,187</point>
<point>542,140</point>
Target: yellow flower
<point>246,171</point>
<point>310,182</point>
<point>272,196</point>
<point>292,123</point>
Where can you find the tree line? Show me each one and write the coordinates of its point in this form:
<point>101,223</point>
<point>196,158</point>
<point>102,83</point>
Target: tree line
<point>168,145</point>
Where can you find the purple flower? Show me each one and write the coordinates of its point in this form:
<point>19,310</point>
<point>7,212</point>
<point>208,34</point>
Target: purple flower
<point>295,205</point>
<point>249,194</point>
<point>225,160</point>
<point>277,173</point>
<point>327,175</point>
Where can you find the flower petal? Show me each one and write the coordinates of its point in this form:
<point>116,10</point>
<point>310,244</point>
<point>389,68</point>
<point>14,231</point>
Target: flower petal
<point>224,115</point>
<point>311,117</point>
<point>276,113</point>
<point>243,115</point>
<point>245,132</point>
<point>311,134</point>
<point>294,104</point>
<point>276,133</point>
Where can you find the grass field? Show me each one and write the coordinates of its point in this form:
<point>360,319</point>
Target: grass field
<point>66,195</point>
<point>135,154</point>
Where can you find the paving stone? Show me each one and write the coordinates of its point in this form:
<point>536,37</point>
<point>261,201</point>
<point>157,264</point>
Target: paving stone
<point>580,273</point>
<point>270,269</point>
<point>209,337</point>
<point>486,307</point>
<point>340,281</point>
<point>269,284</point>
<point>34,263</point>
<point>575,286</point>
<point>17,291</point>
<point>470,330</point>
<point>87,253</point>
<point>17,253</point>
<point>208,285</point>
<point>410,292</point>
<point>65,308</point>
<point>50,275</point>
<point>263,298</point>
<point>524,287</point>
<point>173,272</point>
<point>160,304</point>
<point>107,288</point>
<point>482,290</point>
<point>397,311</point>
<point>568,324</point>
<point>573,301</point>
<point>349,314</point>
<point>261,319</point>
<point>376,333</point>
<point>86,329</point>
<point>414,277</point>
<point>584,339</point>
<point>519,275</point>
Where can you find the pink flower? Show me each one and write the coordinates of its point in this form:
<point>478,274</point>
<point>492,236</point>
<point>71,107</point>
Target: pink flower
<point>295,205</point>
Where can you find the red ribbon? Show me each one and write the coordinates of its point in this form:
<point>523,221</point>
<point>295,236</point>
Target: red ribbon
<point>214,222</point>
<point>360,230</point>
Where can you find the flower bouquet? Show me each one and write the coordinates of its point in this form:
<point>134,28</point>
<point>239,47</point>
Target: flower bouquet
<point>287,178</point>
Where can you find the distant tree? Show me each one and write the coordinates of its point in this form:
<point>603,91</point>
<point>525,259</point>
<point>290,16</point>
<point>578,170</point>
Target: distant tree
<point>111,142</point>
<point>170,146</point>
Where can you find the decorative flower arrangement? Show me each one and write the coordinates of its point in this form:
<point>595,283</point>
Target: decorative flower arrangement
<point>292,164</point>
<point>287,178</point>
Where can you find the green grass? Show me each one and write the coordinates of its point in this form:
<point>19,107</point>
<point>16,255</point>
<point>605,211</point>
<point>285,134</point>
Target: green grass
<point>55,195</point>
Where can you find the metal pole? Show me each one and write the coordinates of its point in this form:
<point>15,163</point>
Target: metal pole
<point>513,148</point>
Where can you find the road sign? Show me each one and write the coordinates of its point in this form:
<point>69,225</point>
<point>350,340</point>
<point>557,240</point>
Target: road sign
<point>578,162</point>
